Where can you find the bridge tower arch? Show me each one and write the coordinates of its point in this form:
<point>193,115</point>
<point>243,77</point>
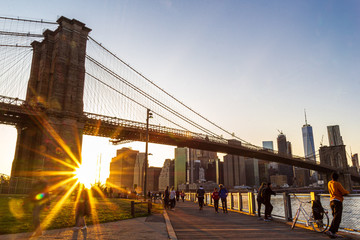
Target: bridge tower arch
<point>56,85</point>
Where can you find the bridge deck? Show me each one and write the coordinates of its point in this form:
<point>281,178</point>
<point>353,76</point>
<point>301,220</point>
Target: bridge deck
<point>190,223</point>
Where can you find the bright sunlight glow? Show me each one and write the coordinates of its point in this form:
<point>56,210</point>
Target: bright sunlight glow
<point>85,176</point>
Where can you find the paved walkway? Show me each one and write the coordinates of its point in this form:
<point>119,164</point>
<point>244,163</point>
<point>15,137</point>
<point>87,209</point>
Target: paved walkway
<point>190,223</point>
<point>152,227</point>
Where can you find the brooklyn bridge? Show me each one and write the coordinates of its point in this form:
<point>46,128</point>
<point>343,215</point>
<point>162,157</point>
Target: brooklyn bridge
<point>62,84</point>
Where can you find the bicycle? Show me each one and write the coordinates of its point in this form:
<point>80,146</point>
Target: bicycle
<point>319,225</point>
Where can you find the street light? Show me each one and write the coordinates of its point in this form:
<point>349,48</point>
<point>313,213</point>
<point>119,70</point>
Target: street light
<point>148,116</point>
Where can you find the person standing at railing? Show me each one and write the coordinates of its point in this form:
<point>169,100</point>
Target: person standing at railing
<point>215,195</point>
<point>223,195</point>
<point>337,191</point>
<point>260,199</point>
<point>200,193</point>
<point>266,194</point>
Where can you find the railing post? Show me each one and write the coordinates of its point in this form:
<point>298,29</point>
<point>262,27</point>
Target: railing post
<point>231,201</point>
<point>314,196</point>
<point>240,202</point>
<point>132,208</point>
<point>287,206</point>
<point>251,202</point>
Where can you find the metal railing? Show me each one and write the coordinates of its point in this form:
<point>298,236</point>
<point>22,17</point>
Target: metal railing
<point>285,206</point>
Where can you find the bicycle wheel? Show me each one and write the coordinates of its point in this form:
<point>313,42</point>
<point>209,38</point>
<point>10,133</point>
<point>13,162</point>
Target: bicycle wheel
<point>320,225</point>
<point>295,218</point>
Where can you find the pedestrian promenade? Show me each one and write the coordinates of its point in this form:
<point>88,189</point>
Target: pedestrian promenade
<point>189,222</point>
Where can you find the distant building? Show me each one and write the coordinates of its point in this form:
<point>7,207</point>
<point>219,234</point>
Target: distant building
<point>139,170</point>
<point>335,138</point>
<point>284,148</point>
<point>152,180</point>
<point>355,161</point>
<point>278,180</point>
<point>166,177</point>
<point>122,169</point>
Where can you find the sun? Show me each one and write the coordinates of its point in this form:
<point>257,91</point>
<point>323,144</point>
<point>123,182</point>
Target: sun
<point>84,176</point>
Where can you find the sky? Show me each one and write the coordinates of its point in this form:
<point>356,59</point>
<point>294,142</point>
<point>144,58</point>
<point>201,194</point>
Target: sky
<point>250,66</point>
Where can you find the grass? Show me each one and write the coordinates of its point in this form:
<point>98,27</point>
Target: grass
<point>16,213</point>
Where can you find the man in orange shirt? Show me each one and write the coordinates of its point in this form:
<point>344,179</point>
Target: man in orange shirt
<point>337,192</point>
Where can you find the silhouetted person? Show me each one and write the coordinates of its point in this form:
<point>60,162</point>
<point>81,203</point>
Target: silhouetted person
<point>39,196</point>
<point>200,193</point>
<point>110,192</point>
<point>166,197</point>
<point>260,198</point>
<point>215,196</point>
<point>177,195</point>
<point>82,210</point>
<point>182,196</point>
<point>267,192</point>
<point>337,192</point>
<point>223,195</point>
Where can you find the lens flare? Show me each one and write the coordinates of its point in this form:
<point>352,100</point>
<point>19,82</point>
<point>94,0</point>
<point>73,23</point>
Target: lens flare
<point>84,176</point>
<point>39,196</point>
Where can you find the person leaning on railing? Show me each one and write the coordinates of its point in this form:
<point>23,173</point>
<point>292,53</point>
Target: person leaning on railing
<point>337,191</point>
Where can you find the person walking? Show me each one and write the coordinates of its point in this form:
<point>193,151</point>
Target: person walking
<point>223,195</point>
<point>182,196</point>
<point>172,199</point>
<point>260,199</point>
<point>82,210</point>
<point>39,197</point>
<point>215,195</point>
<point>166,197</point>
<point>177,195</point>
<point>200,195</point>
<point>337,191</point>
<point>267,192</point>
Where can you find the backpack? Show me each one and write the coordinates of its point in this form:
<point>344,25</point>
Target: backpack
<point>318,210</point>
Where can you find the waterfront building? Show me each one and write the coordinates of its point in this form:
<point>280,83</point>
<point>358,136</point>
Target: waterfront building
<point>181,158</point>
<point>122,169</point>
<point>335,138</point>
<point>166,177</point>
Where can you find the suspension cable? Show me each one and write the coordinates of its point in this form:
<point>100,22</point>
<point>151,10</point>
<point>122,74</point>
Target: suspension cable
<point>126,64</point>
<point>151,98</point>
<point>28,20</point>
<point>107,85</point>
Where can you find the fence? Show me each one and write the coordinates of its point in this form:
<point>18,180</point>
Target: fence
<point>133,209</point>
<point>285,206</point>
<point>17,185</point>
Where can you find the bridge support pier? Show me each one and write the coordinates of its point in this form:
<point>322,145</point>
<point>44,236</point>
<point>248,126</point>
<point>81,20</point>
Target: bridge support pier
<point>50,140</point>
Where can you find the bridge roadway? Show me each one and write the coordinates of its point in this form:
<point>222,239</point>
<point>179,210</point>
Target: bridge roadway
<point>190,223</point>
<point>15,111</point>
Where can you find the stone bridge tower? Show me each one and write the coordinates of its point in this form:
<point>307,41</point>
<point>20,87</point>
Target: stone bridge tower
<point>53,135</point>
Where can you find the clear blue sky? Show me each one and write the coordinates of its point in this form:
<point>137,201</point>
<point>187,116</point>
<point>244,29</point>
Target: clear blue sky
<point>250,66</point>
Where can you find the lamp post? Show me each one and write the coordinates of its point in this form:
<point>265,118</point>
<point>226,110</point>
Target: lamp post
<point>148,116</point>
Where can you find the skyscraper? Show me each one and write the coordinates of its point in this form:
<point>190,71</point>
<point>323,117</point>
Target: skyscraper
<point>139,170</point>
<point>284,148</point>
<point>335,138</point>
<point>309,152</point>
<point>166,177</point>
<point>308,140</point>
